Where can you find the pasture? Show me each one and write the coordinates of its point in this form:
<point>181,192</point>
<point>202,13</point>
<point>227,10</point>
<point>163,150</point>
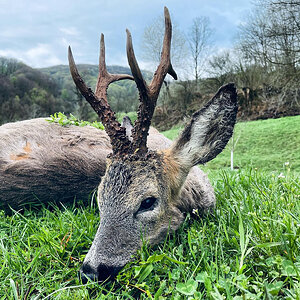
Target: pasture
<point>249,248</point>
<point>265,145</point>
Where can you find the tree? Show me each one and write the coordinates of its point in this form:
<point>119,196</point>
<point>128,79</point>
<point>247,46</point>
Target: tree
<point>220,70</point>
<point>200,41</point>
<point>8,66</point>
<point>26,93</point>
<point>152,43</point>
<point>271,37</point>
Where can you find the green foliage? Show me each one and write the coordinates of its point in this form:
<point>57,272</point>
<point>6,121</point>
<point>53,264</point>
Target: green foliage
<point>271,145</point>
<point>122,95</point>
<point>25,92</point>
<point>64,120</point>
<point>249,248</point>
<point>29,93</point>
<point>8,66</point>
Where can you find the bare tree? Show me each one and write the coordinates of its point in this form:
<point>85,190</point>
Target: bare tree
<point>283,31</point>
<point>220,70</point>
<point>200,41</point>
<point>152,43</point>
<point>271,37</point>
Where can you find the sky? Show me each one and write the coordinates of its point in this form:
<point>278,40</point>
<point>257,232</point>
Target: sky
<point>38,32</point>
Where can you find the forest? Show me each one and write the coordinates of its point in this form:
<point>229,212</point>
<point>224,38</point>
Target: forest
<point>29,93</point>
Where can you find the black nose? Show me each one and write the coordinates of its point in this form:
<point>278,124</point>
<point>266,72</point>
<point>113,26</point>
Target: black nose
<point>102,273</point>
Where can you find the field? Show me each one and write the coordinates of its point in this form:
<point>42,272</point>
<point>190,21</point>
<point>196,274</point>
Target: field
<point>264,145</point>
<point>249,248</point>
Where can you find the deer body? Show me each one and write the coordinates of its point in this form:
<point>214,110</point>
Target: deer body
<point>51,162</point>
<point>147,183</point>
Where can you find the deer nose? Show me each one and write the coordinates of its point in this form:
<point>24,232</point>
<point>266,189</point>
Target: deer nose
<point>102,273</point>
<point>87,273</point>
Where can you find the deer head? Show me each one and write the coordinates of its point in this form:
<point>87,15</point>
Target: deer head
<point>139,193</point>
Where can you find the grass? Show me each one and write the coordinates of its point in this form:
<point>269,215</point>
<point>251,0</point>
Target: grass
<point>265,145</point>
<point>249,248</point>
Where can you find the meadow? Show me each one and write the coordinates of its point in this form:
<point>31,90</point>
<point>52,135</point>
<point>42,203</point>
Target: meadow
<point>248,248</point>
<point>265,145</point>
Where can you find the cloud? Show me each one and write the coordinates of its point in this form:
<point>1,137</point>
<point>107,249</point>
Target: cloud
<point>38,32</point>
<point>9,53</point>
<point>39,56</point>
<point>69,31</point>
<point>42,54</point>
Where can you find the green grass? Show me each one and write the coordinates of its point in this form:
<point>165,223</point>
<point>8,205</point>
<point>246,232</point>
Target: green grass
<point>266,145</point>
<point>248,249</point>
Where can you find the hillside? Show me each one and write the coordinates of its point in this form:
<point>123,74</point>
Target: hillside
<point>267,145</point>
<point>62,72</point>
<point>122,95</point>
<point>26,92</point>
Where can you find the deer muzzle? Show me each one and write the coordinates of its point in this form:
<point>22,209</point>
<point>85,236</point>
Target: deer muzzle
<point>113,247</point>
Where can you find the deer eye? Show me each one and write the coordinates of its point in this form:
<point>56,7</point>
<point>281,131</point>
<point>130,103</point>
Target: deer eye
<point>148,204</point>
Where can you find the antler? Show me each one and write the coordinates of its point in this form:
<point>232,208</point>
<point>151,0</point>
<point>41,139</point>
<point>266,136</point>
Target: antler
<point>121,144</point>
<point>119,141</point>
<point>149,94</point>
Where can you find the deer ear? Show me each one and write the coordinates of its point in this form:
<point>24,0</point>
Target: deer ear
<point>127,124</point>
<point>209,129</point>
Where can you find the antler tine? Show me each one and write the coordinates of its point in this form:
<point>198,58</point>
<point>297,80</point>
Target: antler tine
<point>149,94</point>
<point>85,91</point>
<point>165,66</point>
<point>102,64</point>
<point>105,78</point>
<point>135,69</point>
<point>119,141</point>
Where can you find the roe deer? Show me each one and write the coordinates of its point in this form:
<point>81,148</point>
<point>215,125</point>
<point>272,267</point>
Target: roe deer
<point>146,185</point>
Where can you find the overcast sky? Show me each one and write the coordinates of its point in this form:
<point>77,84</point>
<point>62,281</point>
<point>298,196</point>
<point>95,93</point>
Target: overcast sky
<point>38,32</point>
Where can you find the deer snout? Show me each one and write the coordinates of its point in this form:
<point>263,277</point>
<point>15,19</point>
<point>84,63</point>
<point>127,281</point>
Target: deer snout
<point>101,273</point>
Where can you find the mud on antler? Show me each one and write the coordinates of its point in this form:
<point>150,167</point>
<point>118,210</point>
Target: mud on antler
<point>121,144</point>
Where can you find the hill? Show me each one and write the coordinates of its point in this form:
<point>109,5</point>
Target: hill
<point>26,92</point>
<point>122,95</point>
<point>62,72</point>
<point>267,145</point>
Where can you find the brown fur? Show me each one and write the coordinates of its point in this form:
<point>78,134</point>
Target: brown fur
<point>24,155</point>
<point>173,173</point>
<point>171,167</point>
